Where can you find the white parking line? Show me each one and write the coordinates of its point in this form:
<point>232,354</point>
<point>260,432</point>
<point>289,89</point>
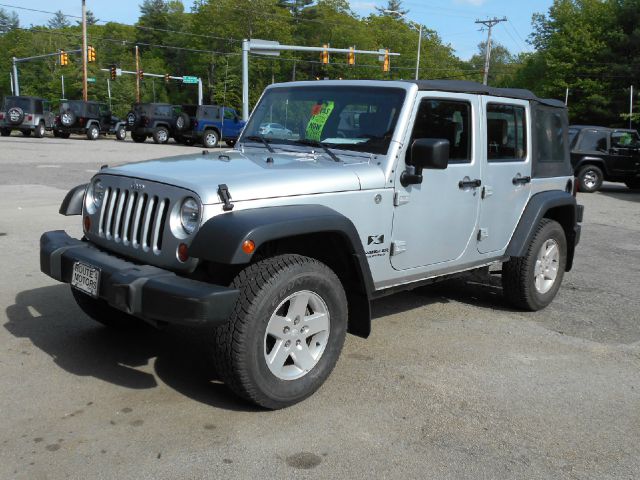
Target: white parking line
<point>48,166</point>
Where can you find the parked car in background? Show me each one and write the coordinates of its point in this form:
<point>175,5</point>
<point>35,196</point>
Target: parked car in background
<point>600,153</point>
<point>208,124</point>
<point>87,118</point>
<point>26,114</point>
<point>155,120</point>
<point>275,130</point>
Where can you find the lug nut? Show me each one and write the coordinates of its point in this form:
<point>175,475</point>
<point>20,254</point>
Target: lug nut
<point>296,320</point>
<point>286,330</point>
<point>287,344</point>
<point>304,329</point>
<point>298,342</point>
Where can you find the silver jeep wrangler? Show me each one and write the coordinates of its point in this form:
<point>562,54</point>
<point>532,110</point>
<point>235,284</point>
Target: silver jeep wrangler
<point>27,114</point>
<point>277,247</point>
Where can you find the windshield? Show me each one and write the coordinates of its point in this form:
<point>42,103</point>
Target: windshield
<point>22,103</point>
<point>349,117</point>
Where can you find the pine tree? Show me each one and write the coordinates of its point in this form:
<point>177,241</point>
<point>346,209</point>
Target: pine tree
<point>393,9</point>
<point>58,21</point>
<point>8,21</point>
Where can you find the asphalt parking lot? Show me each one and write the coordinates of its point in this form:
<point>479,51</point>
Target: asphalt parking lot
<point>452,382</point>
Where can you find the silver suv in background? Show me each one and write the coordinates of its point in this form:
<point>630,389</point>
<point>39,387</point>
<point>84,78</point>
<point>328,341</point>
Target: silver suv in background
<point>277,248</point>
<point>26,114</point>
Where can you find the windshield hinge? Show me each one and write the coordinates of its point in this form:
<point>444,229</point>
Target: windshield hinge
<point>225,196</point>
<point>400,199</point>
<point>398,247</point>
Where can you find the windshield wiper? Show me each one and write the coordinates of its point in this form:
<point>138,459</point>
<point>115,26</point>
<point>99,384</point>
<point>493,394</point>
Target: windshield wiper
<point>261,139</point>
<point>314,143</point>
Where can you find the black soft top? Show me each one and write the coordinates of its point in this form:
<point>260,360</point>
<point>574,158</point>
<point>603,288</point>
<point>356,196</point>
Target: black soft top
<point>463,86</point>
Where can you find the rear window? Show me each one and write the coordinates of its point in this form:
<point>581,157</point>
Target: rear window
<point>551,142</point>
<point>23,103</point>
<point>73,106</point>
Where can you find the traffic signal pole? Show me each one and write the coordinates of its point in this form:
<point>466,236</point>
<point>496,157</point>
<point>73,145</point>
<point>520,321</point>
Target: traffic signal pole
<point>16,83</point>
<point>16,61</point>
<point>137,75</point>
<point>85,87</point>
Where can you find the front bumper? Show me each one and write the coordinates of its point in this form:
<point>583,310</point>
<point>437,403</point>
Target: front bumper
<point>145,291</point>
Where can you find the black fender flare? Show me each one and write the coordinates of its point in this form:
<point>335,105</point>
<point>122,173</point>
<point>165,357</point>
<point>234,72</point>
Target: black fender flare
<point>591,160</point>
<point>72,203</point>
<point>555,204</point>
<point>220,240</point>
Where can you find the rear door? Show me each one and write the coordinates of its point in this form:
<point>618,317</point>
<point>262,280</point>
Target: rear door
<point>231,125</point>
<point>507,170</point>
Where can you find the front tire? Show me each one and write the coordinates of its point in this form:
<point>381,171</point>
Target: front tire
<point>39,130</point>
<point>286,333</point>
<point>230,143</point>
<point>103,313</point>
<point>5,132</point>
<point>93,132</point>
<point>138,138</point>
<point>26,133</point>
<point>532,282</point>
<point>590,179</point>
<point>121,133</point>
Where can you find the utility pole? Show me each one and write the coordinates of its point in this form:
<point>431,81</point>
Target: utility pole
<point>137,75</point>
<point>16,82</point>
<point>490,23</point>
<point>62,84</point>
<point>419,50</point>
<point>566,98</point>
<point>631,109</point>
<point>85,93</point>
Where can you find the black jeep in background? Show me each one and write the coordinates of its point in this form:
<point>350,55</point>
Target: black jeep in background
<point>600,153</point>
<point>27,114</point>
<point>156,120</point>
<point>87,118</point>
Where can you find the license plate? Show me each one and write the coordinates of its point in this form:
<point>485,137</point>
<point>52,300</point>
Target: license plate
<point>86,278</point>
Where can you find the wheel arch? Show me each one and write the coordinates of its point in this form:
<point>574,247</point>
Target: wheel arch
<point>315,231</point>
<point>555,205</point>
<point>591,160</point>
<point>72,203</point>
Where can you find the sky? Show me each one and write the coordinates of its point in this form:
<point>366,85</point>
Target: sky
<point>452,19</point>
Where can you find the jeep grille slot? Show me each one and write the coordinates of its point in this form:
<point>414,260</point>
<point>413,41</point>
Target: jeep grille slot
<point>135,219</point>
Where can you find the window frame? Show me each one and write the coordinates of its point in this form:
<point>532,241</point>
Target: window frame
<point>525,143</point>
<point>447,99</point>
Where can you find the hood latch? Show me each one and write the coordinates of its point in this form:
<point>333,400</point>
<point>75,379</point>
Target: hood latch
<point>225,196</point>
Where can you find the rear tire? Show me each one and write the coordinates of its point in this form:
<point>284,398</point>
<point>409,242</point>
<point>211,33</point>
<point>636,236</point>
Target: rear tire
<point>64,134</point>
<point>5,132</point>
<point>93,132</point>
<point>138,138</point>
<point>210,139</point>
<point>590,179</point>
<point>39,130</point>
<point>161,135</point>
<point>230,143</point>
<point>264,353</point>
<point>26,133</point>
<point>531,282</point>
<point>103,313</point>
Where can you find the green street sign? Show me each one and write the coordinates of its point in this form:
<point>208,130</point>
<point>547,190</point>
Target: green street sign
<point>187,79</point>
<point>91,80</point>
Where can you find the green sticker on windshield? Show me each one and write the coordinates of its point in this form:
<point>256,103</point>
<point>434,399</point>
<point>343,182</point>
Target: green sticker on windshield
<point>319,116</point>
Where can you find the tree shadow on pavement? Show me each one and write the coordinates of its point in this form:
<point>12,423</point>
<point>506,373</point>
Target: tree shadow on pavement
<point>50,319</point>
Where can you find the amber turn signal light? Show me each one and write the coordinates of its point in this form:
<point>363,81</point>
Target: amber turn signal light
<point>183,252</point>
<point>86,223</point>
<point>248,247</point>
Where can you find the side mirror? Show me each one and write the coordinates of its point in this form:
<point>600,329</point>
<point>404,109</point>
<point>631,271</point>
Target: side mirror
<point>429,153</point>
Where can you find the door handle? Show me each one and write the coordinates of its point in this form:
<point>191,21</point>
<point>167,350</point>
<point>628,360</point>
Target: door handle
<point>521,180</point>
<point>462,184</point>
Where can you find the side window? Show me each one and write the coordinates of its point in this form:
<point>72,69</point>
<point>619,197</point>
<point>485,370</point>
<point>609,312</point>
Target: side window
<point>593,141</point>
<point>448,120</point>
<point>229,114</point>
<point>506,133</point>
<point>624,140</point>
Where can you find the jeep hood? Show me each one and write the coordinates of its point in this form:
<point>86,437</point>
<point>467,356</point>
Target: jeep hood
<point>257,174</point>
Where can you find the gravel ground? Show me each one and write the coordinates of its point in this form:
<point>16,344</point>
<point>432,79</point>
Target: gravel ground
<point>452,383</point>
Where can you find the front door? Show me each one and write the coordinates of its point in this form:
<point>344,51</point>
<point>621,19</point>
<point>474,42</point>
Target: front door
<point>507,173</point>
<point>435,222</point>
<point>624,156</point>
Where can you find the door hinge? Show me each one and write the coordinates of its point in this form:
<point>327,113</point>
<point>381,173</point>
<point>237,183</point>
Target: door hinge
<point>483,234</point>
<point>400,199</point>
<point>398,247</point>
<point>487,191</point>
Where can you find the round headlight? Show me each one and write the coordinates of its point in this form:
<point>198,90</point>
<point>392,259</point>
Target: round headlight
<point>95,194</point>
<point>190,215</point>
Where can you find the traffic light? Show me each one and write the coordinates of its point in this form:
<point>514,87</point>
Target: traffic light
<point>351,56</point>
<point>114,72</point>
<point>167,77</point>
<point>386,63</point>
<point>64,58</point>
<point>141,74</point>
<point>324,57</point>
<point>91,54</point>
